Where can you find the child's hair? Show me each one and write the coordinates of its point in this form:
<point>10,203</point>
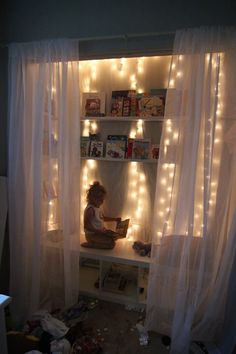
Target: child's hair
<point>96,190</point>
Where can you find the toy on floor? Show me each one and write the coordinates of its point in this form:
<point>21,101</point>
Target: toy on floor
<point>143,249</point>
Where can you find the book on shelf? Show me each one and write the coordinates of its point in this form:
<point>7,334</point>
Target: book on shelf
<point>84,146</point>
<point>129,148</point>
<point>96,148</point>
<point>94,136</point>
<point>155,151</point>
<point>151,104</point>
<point>93,104</point>
<point>116,146</point>
<point>123,103</point>
<point>141,149</point>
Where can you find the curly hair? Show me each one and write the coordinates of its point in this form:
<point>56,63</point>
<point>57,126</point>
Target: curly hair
<point>96,190</point>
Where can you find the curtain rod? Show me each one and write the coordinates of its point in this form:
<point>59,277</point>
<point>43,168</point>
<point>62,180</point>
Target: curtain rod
<point>127,36</point>
<point>101,38</point>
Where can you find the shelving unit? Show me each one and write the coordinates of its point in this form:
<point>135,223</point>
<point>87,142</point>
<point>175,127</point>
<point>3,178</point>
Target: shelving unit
<point>122,258</point>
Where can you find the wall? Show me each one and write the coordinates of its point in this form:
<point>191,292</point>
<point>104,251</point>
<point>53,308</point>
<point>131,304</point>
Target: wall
<point>33,20</point>
<point>30,20</point>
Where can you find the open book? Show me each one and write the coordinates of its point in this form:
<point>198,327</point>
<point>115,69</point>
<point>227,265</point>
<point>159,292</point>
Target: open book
<point>121,229</point>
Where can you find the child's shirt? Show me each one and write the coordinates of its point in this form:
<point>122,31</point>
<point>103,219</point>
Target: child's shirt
<point>97,220</point>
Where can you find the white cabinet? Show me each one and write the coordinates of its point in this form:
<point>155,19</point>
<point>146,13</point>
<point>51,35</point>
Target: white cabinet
<point>118,275</point>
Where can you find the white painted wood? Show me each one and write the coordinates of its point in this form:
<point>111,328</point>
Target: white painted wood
<point>119,160</point>
<point>123,119</point>
<point>122,253</point>
<point>4,301</point>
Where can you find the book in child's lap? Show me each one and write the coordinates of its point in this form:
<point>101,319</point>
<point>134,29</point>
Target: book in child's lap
<point>121,229</point>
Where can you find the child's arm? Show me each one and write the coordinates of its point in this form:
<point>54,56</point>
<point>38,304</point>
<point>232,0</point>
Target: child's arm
<point>88,216</point>
<point>108,218</point>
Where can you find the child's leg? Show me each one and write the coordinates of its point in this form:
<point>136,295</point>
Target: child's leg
<point>101,241</point>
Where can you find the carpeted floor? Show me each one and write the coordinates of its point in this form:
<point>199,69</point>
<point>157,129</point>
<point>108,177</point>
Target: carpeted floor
<point>97,324</point>
<point>116,327</point>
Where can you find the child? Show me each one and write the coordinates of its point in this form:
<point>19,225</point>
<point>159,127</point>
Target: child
<point>96,234</point>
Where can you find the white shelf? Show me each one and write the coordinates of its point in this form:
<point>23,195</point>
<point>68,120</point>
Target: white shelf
<point>122,253</point>
<point>123,119</point>
<point>119,160</point>
<point>88,277</point>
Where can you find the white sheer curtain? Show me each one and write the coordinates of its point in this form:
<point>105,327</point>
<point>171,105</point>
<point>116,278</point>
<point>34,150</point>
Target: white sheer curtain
<point>194,231</point>
<point>43,175</point>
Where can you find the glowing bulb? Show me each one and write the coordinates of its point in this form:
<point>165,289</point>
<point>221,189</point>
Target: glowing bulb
<point>163,181</point>
<point>132,78</point>
<point>175,136</point>
<point>142,177</point>
<point>91,164</point>
<point>141,190</point>
<point>140,69</point>
<point>94,126</point>
<point>132,134</point>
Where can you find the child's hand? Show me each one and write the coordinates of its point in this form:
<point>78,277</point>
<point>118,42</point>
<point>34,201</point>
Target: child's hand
<point>103,230</point>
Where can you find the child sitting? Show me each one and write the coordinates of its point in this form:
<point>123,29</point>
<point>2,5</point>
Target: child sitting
<point>96,234</point>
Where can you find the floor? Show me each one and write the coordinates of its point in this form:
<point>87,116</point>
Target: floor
<point>100,324</point>
<point>116,327</point>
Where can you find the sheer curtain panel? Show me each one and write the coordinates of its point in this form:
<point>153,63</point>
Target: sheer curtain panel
<point>43,175</point>
<point>194,230</point>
